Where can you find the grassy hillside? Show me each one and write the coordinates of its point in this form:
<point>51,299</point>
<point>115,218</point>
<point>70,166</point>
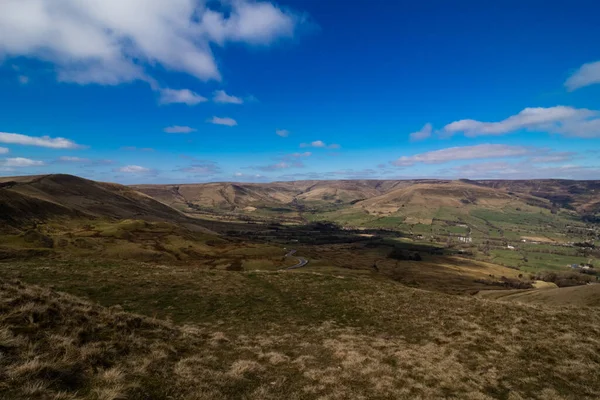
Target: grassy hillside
<point>308,336</point>
<point>66,217</point>
<point>587,295</point>
<point>58,195</point>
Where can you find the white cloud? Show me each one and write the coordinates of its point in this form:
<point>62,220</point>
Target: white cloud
<point>320,144</point>
<point>179,129</point>
<point>23,80</point>
<point>221,97</point>
<point>43,141</point>
<point>223,121</point>
<point>3,150</point>
<point>74,159</point>
<point>282,132</point>
<point>569,121</point>
<point>115,41</point>
<point>422,134</point>
<point>298,155</point>
<point>182,96</point>
<point>464,153</point>
<point>251,22</point>
<point>134,169</point>
<point>242,175</point>
<point>587,74</point>
<point>20,162</point>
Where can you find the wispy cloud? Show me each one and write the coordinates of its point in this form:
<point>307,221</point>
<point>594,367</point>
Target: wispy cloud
<point>481,151</point>
<point>135,169</point>
<point>422,134</point>
<point>201,168</point>
<point>73,159</point>
<point>20,162</point>
<point>110,42</point>
<point>568,121</point>
<point>241,175</point>
<point>221,97</point>
<point>280,166</point>
<point>42,141</point>
<point>587,74</point>
<point>179,129</point>
<point>558,157</point>
<point>320,144</point>
<point>223,121</point>
<point>23,79</point>
<point>181,96</point>
<point>282,132</point>
<point>298,155</point>
<point>4,150</point>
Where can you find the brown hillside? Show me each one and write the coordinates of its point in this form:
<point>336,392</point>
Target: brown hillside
<point>434,195</point>
<point>42,197</point>
<point>381,195</point>
<point>580,195</point>
<point>582,296</point>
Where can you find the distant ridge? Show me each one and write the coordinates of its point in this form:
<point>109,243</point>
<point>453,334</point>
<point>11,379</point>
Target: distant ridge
<point>582,196</point>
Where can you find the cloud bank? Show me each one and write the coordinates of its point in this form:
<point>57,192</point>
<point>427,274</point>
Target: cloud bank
<point>114,41</point>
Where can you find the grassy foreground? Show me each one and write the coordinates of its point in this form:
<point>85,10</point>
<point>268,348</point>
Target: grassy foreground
<point>293,335</point>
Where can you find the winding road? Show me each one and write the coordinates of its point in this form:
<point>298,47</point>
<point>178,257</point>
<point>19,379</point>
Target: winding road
<point>301,260</point>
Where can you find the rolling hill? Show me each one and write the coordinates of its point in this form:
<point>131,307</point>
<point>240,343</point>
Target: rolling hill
<point>47,196</point>
<point>68,216</point>
<point>385,195</point>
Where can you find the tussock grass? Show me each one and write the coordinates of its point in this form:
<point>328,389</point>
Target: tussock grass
<point>371,340</point>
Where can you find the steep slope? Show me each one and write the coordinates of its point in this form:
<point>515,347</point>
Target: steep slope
<point>27,199</point>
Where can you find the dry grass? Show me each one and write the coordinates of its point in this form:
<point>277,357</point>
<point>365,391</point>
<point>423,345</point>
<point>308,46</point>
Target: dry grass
<point>587,295</point>
<point>393,343</point>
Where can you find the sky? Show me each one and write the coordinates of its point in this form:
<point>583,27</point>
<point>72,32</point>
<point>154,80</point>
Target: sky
<point>180,91</point>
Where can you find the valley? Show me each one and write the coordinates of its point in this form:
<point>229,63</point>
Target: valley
<point>362,289</point>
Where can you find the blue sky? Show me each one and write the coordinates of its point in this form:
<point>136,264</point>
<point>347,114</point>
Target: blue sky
<point>157,91</point>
